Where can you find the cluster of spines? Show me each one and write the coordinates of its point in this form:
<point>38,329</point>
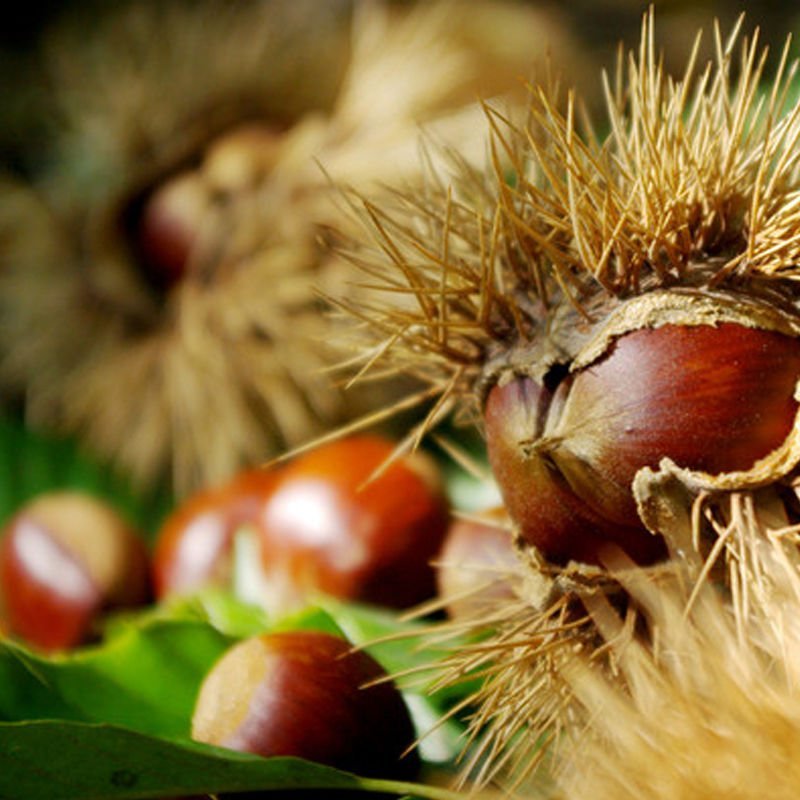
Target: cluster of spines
<point>695,183</point>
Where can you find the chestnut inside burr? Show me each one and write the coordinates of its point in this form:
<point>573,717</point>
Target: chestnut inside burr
<point>711,398</point>
<point>173,224</point>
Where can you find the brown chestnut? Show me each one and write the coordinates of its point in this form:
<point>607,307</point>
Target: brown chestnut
<point>711,398</point>
<point>194,545</point>
<point>475,561</point>
<point>307,694</point>
<point>170,226</point>
<point>331,525</point>
<point>65,558</point>
<point>176,221</point>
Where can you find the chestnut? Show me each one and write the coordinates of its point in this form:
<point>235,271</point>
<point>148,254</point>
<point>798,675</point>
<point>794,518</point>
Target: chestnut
<point>712,398</point>
<point>474,563</point>
<point>194,545</point>
<point>65,558</point>
<point>330,524</point>
<point>170,226</point>
<point>174,224</point>
<point>307,694</point>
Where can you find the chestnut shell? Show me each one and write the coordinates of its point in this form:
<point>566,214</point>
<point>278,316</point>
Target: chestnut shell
<point>307,694</point>
<point>715,399</point>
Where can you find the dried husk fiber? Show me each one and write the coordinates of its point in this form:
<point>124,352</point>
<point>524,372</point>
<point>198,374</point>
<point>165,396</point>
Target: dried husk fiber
<point>684,213</point>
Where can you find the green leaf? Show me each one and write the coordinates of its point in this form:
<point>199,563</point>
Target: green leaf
<point>217,607</point>
<point>225,612</point>
<point>398,644</point>
<point>78,761</point>
<point>146,675</point>
<point>144,678</point>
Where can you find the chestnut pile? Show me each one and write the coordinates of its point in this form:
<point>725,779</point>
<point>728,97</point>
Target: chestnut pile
<point>346,519</point>
<point>325,522</point>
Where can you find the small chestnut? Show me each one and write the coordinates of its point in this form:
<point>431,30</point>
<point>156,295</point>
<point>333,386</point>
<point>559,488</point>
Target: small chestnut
<point>194,546</point>
<point>170,226</point>
<point>331,525</point>
<point>711,398</point>
<point>175,223</point>
<point>307,694</point>
<point>65,558</point>
<point>474,563</point>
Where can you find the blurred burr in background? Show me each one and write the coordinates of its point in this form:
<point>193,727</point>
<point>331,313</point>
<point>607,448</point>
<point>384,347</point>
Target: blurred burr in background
<point>160,253</point>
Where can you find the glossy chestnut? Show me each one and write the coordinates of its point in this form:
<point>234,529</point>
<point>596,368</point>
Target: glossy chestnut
<point>65,559</point>
<point>307,694</point>
<point>170,226</point>
<point>332,525</point>
<point>194,546</point>
<point>714,399</point>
